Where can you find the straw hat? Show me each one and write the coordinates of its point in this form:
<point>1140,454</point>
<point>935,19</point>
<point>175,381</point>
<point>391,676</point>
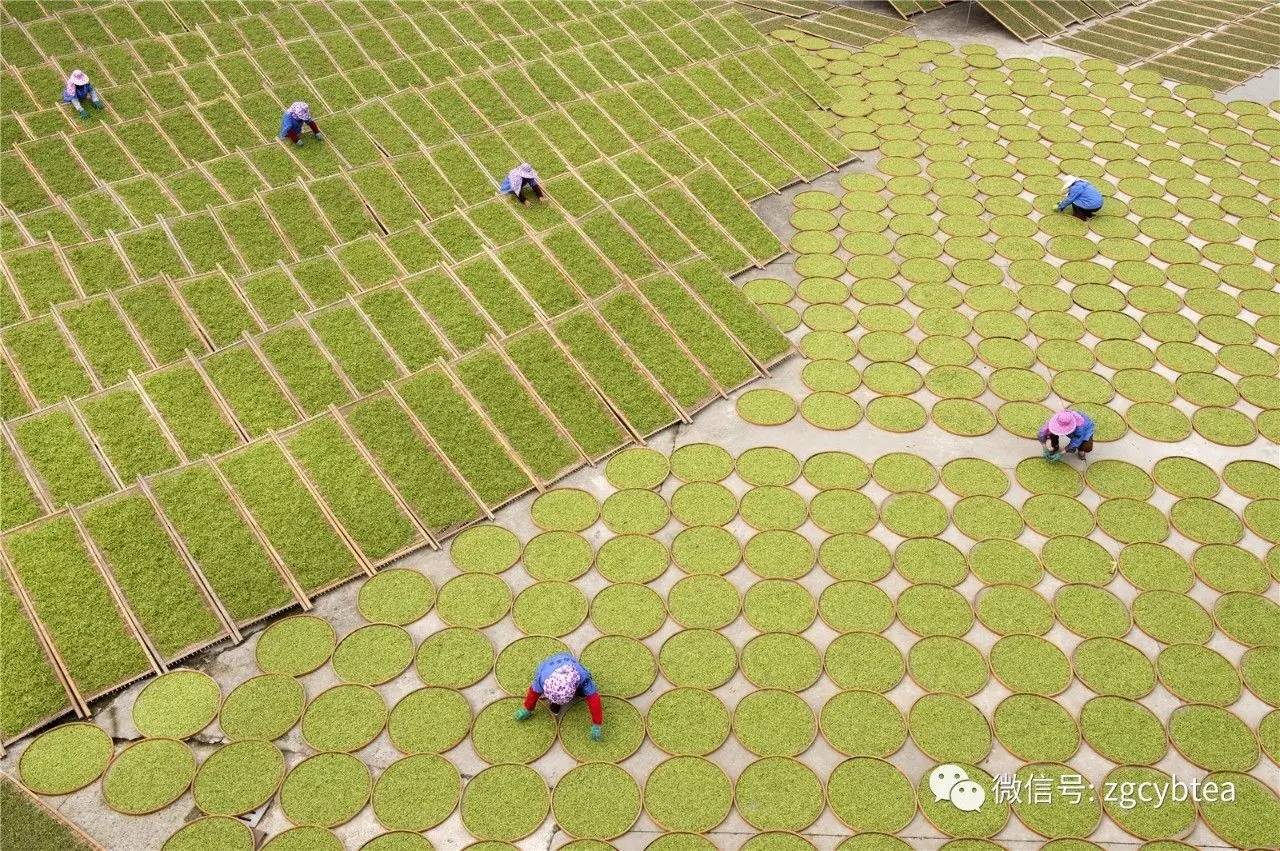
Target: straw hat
<point>1063,423</point>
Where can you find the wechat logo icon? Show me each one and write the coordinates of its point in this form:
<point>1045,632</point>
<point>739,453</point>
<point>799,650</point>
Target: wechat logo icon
<point>951,783</point>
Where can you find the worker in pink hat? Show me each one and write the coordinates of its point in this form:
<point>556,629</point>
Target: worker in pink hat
<point>78,90</point>
<point>560,679</point>
<point>1065,432</point>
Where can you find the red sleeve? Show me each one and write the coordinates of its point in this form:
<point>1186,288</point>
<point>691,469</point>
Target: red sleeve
<point>596,709</point>
<point>531,699</point>
<point>314,128</point>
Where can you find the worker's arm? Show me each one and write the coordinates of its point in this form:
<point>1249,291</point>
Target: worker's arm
<point>597,716</point>
<point>1046,442</point>
<point>530,701</point>
<point>1074,194</point>
<point>1068,198</point>
<point>591,695</point>
<point>596,708</point>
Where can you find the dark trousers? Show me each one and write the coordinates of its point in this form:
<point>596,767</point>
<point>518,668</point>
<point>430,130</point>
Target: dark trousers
<point>1081,213</point>
<point>293,135</point>
<point>531,185</point>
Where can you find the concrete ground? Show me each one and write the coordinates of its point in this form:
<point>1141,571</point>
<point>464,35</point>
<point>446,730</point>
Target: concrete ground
<point>958,23</point>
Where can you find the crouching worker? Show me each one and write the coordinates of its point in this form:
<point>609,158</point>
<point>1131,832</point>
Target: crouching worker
<point>1064,433</point>
<point>291,123</point>
<point>519,179</point>
<point>1082,197</point>
<point>78,90</point>
<point>560,679</point>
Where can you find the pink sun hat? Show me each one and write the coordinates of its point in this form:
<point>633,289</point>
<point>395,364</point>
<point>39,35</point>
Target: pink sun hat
<point>1064,422</point>
<point>77,78</point>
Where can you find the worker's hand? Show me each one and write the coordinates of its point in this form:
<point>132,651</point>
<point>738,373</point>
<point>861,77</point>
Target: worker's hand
<point>1055,456</point>
<point>596,733</point>
<point>319,135</point>
<point>84,116</point>
<point>522,714</point>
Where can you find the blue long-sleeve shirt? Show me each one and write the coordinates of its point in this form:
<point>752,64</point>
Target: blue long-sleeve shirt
<point>506,188</point>
<point>292,124</point>
<point>1084,195</point>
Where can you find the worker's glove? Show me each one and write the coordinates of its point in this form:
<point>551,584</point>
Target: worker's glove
<point>298,144</point>
<point>97,104</point>
<point>84,116</point>
<point>319,135</point>
<point>596,733</point>
<point>1055,456</point>
<point>522,714</point>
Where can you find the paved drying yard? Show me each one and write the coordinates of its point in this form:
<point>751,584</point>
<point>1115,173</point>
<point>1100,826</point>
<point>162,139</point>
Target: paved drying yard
<point>745,419</point>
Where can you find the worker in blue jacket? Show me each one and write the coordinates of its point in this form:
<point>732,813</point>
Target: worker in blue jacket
<point>1083,198</point>
<point>79,91</point>
<point>294,119</point>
